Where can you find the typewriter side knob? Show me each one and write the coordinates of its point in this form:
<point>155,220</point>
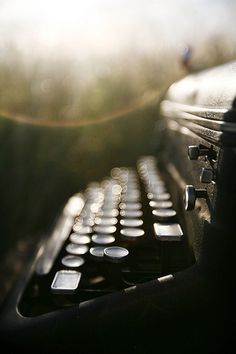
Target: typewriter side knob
<point>190,196</point>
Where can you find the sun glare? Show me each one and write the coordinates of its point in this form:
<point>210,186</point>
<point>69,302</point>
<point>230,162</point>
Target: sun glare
<point>103,27</point>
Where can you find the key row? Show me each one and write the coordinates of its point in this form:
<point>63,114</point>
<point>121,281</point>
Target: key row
<point>166,228</point>
<point>67,281</point>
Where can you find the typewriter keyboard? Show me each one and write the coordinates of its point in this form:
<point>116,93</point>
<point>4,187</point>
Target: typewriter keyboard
<point>128,232</point>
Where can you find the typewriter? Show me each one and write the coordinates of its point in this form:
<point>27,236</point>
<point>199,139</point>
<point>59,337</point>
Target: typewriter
<point>141,261</point>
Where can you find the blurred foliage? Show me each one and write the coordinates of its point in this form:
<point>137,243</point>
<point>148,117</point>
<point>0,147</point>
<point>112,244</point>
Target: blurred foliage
<point>68,90</point>
<point>64,90</point>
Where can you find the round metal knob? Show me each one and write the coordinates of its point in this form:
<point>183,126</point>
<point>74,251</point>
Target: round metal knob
<point>195,151</point>
<point>207,175</point>
<point>190,196</point>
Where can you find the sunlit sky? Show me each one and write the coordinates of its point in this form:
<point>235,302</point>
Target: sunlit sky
<point>108,27</point>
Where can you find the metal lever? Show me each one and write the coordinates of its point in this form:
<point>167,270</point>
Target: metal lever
<point>207,175</point>
<point>195,151</point>
<point>190,196</point>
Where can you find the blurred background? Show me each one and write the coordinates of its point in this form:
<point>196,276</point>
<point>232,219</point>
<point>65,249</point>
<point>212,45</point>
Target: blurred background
<point>80,84</point>
<point>80,60</point>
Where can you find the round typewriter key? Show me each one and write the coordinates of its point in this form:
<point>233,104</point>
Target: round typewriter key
<point>80,239</point>
<point>155,179</point>
<point>163,215</point>
<point>131,213</point>
<point>84,215</point>
<point>156,190</point>
<point>92,208</point>
<point>95,207</point>
<point>131,222</point>
<point>80,229</point>
<point>132,233</point>
<point>116,190</point>
<point>130,206</point>
<point>131,186</point>
<point>132,189</point>
<point>87,222</point>
<point>72,261</point>
<point>132,180</point>
<point>130,198</point>
<point>116,254</point>
<point>112,192</point>
<point>109,206</point>
<point>103,239</point>
<point>79,219</point>
<point>110,201</point>
<point>105,221</point>
<point>100,229</point>
<point>108,213</point>
<point>158,197</point>
<point>97,252</point>
<point>84,221</point>
<point>161,204</point>
<point>73,248</point>
<point>116,172</point>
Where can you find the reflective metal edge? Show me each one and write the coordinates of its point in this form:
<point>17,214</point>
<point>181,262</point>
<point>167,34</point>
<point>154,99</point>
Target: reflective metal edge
<point>190,129</point>
<point>60,233</point>
<point>206,122</point>
<point>203,112</point>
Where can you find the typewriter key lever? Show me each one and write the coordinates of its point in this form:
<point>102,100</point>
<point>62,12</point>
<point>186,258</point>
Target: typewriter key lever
<point>190,196</point>
<point>207,175</point>
<point>195,151</point>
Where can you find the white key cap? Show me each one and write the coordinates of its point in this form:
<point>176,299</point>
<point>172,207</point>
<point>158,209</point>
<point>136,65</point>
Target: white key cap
<point>115,254</point>
<point>65,282</point>
<point>168,232</point>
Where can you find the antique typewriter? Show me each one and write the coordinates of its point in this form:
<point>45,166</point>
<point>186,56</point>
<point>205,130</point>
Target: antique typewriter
<point>141,261</point>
